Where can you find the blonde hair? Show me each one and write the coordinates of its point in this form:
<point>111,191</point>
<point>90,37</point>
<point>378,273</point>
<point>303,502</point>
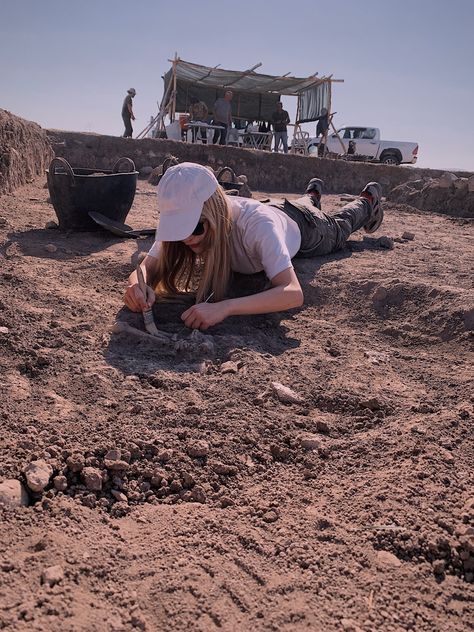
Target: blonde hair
<point>181,270</point>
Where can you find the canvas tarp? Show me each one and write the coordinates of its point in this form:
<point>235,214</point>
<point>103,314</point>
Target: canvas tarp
<point>255,94</point>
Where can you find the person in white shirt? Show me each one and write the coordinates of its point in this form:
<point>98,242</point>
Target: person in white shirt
<point>204,235</point>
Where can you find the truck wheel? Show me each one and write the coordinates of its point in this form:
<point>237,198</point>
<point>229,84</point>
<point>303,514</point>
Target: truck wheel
<point>390,159</point>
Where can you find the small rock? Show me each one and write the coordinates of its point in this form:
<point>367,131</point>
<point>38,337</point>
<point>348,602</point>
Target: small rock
<point>226,501</point>
<point>385,242</point>
<point>76,462</point>
<point>198,495</point>
<point>176,487</point>
<point>224,469</point>
<point>408,235</point>
<point>138,621</point>
<point>38,474</point>
<point>323,426</point>
<point>188,479</point>
<point>158,476</point>
<point>310,441</point>
<point>4,330</point>
<point>113,461</point>
<point>52,575</point>
<point>13,493</point>
<point>3,222</point>
<point>119,509</point>
<point>119,496</point>
<point>270,516</point>
<point>51,225</point>
<point>229,367</point>
<point>380,294</point>
<point>387,559</point>
<point>51,248</point>
<point>347,198</point>
<point>280,453</point>
<point>349,625</point>
<point>198,449</point>
<point>92,479</point>
<point>60,483</point>
<point>285,394</point>
<point>164,455</point>
<point>372,404</point>
<point>439,567</point>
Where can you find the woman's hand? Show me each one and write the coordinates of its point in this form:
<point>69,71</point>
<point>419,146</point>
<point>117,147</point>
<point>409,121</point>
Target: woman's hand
<point>204,315</point>
<point>135,300</point>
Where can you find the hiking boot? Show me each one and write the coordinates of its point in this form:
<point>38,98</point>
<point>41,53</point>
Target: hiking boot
<point>373,193</point>
<point>314,189</point>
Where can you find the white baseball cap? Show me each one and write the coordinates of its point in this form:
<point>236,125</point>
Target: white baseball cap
<point>182,192</point>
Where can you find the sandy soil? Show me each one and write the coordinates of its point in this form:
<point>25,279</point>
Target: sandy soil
<point>351,509</point>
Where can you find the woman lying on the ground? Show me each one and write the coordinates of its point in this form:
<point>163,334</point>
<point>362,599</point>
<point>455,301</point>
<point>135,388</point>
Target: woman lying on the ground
<point>204,235</point>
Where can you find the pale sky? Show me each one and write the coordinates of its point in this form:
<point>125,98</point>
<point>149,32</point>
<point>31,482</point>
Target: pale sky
<point>407,65</point>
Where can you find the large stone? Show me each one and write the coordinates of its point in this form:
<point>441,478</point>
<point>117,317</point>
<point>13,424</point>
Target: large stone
<point>38,474</point>
<point>13,493</point>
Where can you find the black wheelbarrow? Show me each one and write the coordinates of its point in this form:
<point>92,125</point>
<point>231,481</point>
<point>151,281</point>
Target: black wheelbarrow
<point>76,192</point>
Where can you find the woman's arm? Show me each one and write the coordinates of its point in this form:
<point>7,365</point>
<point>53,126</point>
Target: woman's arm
<point>286,293</point>
<point>133,297</point>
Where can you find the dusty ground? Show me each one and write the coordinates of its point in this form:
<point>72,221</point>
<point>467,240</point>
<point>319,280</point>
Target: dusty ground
<point>349,510</point>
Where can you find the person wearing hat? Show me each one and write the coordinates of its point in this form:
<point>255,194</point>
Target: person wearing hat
<point>204,235</point>
<point>127,113</point>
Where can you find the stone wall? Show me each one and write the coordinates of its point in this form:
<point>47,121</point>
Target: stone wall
<point>266,171</point>
<point>25,151</point>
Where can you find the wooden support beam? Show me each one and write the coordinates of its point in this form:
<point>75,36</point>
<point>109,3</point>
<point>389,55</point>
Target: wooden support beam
<point>243,74</point>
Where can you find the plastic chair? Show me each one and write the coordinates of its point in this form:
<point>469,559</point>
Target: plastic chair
<point>299,144</point>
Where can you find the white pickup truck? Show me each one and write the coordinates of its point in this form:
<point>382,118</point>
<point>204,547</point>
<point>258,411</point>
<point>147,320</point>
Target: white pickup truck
<point>365,141</point>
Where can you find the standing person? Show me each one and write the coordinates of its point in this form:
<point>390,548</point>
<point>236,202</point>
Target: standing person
<point>280,120</point>
<point>223,117</point>
<point>204,235</point>
<point>198,112</point>
<point>127,113</point>
<point>322,129</point>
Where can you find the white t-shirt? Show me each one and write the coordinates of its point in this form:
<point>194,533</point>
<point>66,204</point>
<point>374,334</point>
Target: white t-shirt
<point>262,238</point>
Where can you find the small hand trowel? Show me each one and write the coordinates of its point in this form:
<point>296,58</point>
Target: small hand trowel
<point>117,228</point>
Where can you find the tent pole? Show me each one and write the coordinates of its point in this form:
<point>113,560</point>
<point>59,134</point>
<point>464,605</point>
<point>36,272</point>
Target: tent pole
<point>161,113</point>
<point>173,105</point>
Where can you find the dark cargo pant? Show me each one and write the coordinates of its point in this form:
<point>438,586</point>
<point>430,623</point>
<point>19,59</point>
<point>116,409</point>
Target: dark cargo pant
<point>322,234</point>
<point>127,121</point>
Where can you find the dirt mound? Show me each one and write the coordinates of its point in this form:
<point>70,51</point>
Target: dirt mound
<point>447,194</point>
<point>25,151</point>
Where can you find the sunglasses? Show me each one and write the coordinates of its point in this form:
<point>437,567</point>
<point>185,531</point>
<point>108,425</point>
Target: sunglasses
<point>199,230</point>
